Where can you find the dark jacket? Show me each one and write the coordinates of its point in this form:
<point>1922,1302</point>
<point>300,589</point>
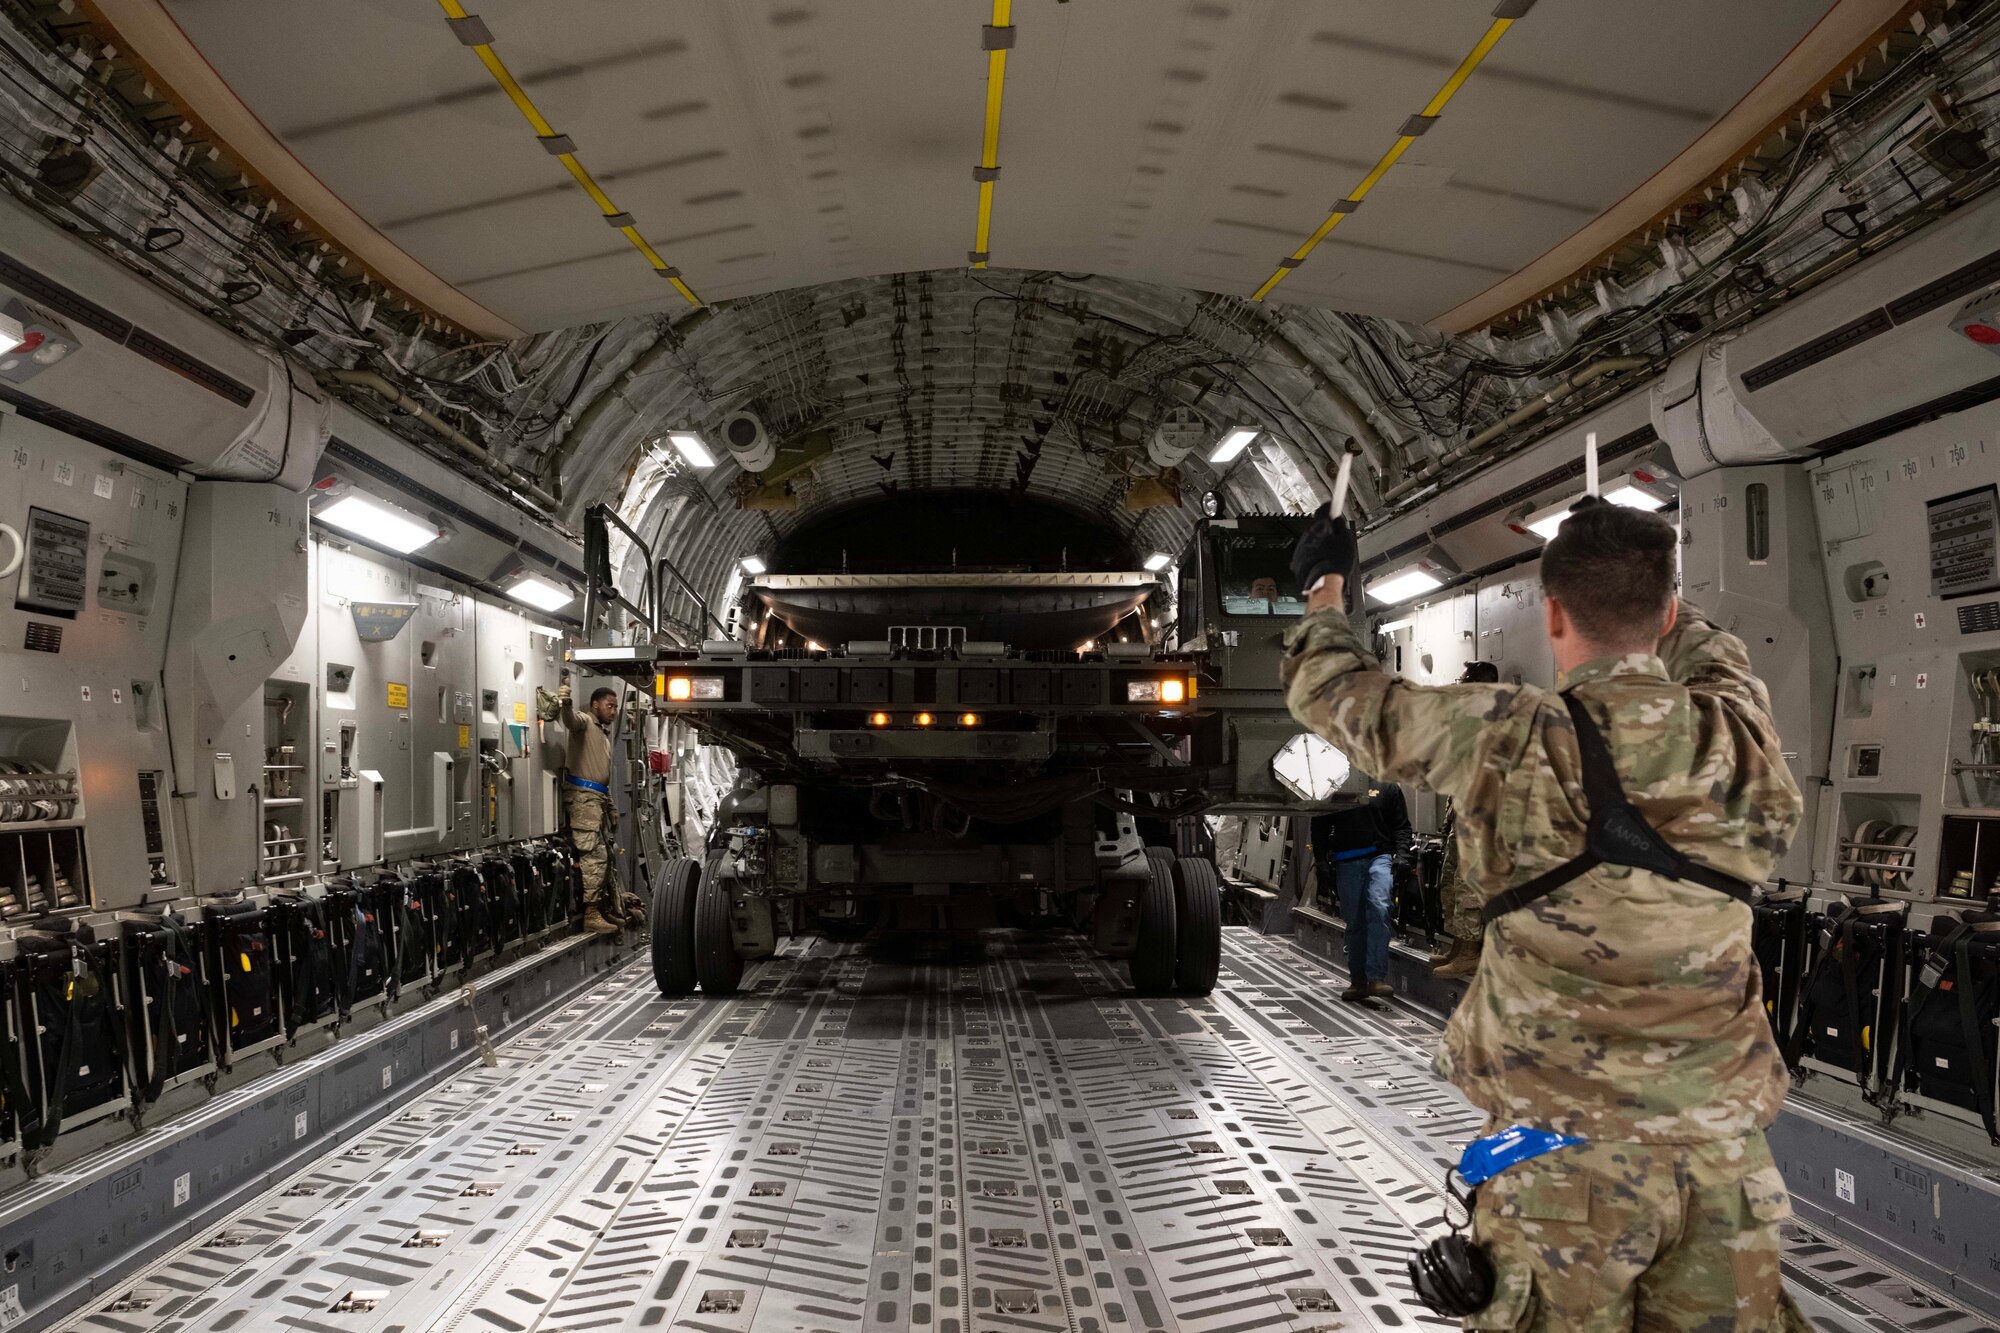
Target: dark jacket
<point>1381,823</point>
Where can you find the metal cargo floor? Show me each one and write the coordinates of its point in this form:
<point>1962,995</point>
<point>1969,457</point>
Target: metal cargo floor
<point>1009,1141</point>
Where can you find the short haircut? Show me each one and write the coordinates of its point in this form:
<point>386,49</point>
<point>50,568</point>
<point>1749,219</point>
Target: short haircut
<point>1612,568</point>
<point>602,692</point>
<point>1479,673</point>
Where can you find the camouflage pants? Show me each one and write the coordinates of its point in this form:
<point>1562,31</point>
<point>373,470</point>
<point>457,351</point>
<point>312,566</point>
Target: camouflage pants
<point>1637,1235</point>
<point>589,812</point>
<point>1459,903</point>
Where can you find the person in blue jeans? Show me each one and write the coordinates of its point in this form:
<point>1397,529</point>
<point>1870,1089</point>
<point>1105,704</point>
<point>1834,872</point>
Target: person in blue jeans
<point>1358,850</point>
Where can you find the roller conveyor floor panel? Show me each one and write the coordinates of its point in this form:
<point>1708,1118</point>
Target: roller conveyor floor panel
<point>1003,1141</point>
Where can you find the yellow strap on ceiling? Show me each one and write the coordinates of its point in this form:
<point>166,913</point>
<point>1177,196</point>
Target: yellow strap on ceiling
<point>1504,18</point>
<point>998,39</point>
<point>472,32</point>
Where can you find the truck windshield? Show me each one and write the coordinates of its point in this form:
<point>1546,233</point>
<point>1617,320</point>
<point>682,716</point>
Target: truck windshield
<point>1253,571</point>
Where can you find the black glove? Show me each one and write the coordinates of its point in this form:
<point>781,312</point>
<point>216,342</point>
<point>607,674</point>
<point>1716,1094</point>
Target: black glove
<point>1327,546</point>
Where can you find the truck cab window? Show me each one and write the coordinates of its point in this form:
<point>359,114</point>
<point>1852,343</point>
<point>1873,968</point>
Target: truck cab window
<point>1253,573</point>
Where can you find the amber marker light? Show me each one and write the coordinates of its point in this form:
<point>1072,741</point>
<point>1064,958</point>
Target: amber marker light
<point>968,719</point>
<point>925,719</point>
<point>680,688</point>
<point>878,719</point>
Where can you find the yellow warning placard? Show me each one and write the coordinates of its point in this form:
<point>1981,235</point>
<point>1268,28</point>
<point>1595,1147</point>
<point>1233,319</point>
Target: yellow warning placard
<point>520,712</point>
<point>465,738</point>
<point>399,695</point>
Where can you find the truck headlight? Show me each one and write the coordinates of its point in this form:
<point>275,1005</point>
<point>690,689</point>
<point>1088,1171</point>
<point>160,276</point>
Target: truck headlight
<point>680,689</point>
<point>1169,691</point>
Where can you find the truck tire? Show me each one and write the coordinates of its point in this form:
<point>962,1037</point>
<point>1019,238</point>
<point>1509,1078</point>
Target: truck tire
<point>716,964</point>
<point>1153,957</point>
<point>671,924</point>
<point>1198,925</point>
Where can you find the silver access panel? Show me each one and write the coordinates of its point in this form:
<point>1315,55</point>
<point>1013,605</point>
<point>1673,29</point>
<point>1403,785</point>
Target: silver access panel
<point>1001,1141</point>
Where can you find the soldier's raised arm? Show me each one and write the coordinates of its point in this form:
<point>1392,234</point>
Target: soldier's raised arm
<point>1713,662</point>
<point>1438,736</point>
<point>566,710</point>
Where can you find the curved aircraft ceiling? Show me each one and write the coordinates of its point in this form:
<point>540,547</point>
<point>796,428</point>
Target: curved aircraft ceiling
<point>760,145</point>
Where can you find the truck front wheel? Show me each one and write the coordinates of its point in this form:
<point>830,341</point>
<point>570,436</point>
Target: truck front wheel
<point>1153,957</point>
<point>1198,923</point>
<point>672,926</point>
<point>717,965</point>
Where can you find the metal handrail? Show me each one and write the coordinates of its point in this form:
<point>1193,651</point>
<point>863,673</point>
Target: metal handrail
<point>599,579</point>
<point>666,566</point>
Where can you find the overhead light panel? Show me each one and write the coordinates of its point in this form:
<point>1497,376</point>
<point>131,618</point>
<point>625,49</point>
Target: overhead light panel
<point>753,564</point>
<point>539,593</point>
<point>1410,580</point>
<point>1637,489</point>
<point>377,523</point>
<point>1233,443</point>
<point>12,335</point>
<point>1542,523</point>
<point>694,450</point>
<point>1158,561</point>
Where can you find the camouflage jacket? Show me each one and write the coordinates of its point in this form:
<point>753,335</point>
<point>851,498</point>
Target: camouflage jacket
<point>1625,1007</point>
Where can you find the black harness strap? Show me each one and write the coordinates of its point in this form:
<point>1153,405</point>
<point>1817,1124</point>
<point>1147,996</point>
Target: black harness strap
<point>1617,834</point>
<point>1929,975</point>
<point>1831,939</point>
<point>55,1090</point>
<point>1850,979</point>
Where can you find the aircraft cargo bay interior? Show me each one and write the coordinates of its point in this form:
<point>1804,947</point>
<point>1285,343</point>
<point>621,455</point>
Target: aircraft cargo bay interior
<point>988,665</point>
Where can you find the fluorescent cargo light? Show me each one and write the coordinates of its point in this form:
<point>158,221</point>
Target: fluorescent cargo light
<point>1402,587</point>
<point>1405,583</point>
<point>1158,561</point>
<point>1633,490</point>
<point>1234,443</point>
<point>12,335</point>
<point>1637,490</point>
<point>1548,522</point>
<point>540,593</point>
<point>692,448</point>
<point>378,524</point>
<point>753,564</point>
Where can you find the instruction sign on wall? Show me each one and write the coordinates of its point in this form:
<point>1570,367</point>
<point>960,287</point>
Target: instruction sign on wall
<point>399,695</point>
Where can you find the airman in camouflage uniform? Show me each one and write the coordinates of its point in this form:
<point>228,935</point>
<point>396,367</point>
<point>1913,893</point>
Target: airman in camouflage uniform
<point>1459,900</point>
<point>1460,904</point>
<point>1625,1007</point>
